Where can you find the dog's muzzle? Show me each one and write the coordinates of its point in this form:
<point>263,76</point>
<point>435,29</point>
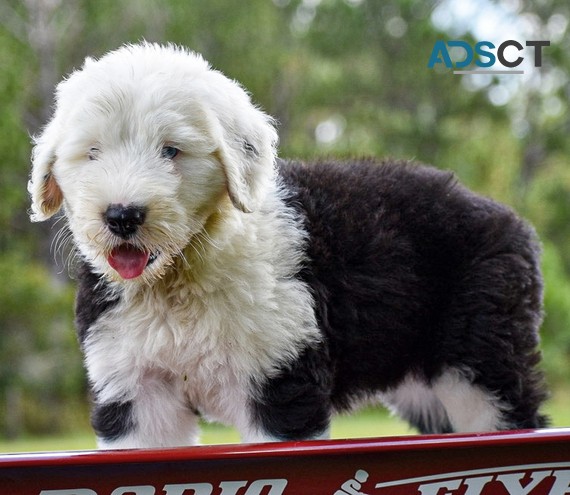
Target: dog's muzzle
<point>124,221</point>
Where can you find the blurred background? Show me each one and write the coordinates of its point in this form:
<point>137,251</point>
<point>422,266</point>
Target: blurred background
<point>343,78</point>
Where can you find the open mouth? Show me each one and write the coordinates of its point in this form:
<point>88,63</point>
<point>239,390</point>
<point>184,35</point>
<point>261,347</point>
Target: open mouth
<point>129,261</point>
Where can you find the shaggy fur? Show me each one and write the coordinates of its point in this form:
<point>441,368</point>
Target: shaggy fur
<point>216,280</point>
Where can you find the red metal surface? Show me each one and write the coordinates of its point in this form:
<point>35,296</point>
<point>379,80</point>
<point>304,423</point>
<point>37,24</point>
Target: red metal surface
<point>522,463</point>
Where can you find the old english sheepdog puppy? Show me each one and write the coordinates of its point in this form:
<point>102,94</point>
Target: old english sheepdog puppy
<point>216,280</point>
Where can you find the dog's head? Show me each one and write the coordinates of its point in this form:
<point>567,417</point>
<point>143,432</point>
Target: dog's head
<point>143,147</point>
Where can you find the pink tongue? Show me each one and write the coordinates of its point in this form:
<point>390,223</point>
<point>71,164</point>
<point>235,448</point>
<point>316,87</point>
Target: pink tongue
<point>129,261</point>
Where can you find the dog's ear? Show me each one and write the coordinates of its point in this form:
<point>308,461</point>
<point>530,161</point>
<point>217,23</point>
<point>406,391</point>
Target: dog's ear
<point>247,149</point>
<point>249,166</point>
<point>244,177</point>
<point>43,188</point>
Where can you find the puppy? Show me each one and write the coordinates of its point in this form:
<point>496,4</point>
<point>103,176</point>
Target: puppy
<point>216,280</point>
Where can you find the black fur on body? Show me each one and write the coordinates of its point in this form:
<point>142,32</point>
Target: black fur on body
<point>412,275</point>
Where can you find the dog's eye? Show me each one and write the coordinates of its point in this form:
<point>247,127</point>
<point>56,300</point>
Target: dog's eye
<point>93,153</point>
<point>169,152</point>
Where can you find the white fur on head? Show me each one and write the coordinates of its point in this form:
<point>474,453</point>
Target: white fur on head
<point>244,136</point>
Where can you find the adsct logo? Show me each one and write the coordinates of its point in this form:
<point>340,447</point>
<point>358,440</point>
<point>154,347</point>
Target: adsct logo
<point>484,57</point>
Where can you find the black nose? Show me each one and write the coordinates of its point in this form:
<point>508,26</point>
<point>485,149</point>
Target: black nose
<point>124,220</point>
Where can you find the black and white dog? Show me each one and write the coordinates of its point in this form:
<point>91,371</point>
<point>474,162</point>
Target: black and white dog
<point>216,280</point>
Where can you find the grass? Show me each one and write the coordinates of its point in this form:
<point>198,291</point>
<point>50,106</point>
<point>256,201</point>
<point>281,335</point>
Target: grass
<point>370,422</point>
<point>366,423</point>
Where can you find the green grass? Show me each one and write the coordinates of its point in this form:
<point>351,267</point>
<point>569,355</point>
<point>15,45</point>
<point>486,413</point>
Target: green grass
<point>370,422</point>
<point>366,423</point>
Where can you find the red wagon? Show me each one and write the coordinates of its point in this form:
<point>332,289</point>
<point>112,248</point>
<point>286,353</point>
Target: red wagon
<point>510,463</point>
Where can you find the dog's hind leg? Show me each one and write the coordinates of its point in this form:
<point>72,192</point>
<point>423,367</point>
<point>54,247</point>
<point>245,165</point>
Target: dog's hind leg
<point>450,403</point>
<point>468,407</point>
<point>489,342</point>
<point>414,400</point>
<point>471,407</point>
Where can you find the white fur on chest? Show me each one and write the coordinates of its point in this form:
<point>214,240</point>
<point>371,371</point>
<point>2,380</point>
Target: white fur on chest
<point>213,329</point>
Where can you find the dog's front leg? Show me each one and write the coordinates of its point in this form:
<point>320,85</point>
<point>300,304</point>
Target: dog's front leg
<point>156,415</point>
<point>295,404</point>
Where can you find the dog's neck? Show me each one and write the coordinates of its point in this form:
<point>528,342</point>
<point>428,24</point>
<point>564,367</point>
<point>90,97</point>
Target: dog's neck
<point>223,230</point>
<point>232,246</point>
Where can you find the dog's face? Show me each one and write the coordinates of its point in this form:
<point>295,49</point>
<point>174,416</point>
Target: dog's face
<point>144,147</point>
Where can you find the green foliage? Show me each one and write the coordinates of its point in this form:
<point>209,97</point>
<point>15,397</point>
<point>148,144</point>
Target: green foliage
<point>342,78</point>
<point>14,147</point>
<point>40,366</point>
<point>555,334</point>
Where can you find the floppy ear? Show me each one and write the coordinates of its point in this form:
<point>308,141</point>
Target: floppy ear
<point>248,158</point>
<point>43,188</point>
